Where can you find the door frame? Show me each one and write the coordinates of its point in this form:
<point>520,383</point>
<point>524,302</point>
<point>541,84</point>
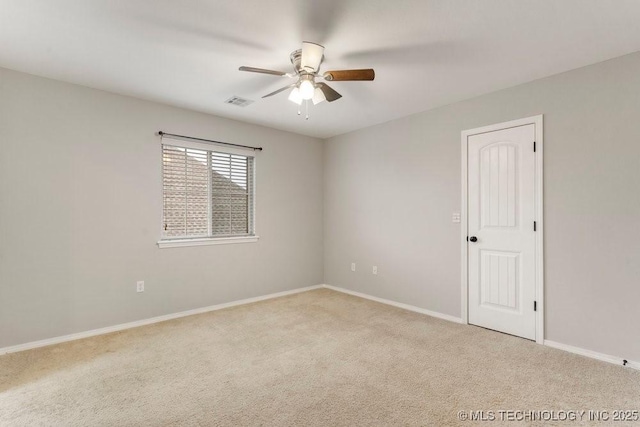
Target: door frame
<point>537,121</point>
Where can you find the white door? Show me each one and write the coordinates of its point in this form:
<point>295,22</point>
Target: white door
<point>502,243</point>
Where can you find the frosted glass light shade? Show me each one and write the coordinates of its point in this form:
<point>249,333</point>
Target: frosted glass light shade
<point>306,89</point>
<point>318,96</point>
<point>295,96</point>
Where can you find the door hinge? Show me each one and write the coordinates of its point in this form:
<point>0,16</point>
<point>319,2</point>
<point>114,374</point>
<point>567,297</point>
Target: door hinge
<point>535,306</point>
<point>535,226</point>
<point>534,146</point>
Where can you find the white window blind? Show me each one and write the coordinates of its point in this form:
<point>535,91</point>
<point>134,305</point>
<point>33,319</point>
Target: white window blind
<point>206,193</point>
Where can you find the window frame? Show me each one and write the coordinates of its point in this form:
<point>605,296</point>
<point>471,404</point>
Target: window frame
<point>206,240</point>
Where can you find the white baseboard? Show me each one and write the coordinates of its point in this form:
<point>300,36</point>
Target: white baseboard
<point>143,322</point>
<point>571,349</point>
<point>397,304</point>
<point>94,332</point>
<point>592,354</point>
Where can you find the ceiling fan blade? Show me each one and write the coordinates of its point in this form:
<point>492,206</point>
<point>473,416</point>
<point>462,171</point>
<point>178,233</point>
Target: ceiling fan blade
<point>312,54</point>
<point>263,71</point>
<point>344,75</point>
<point>329,93</point>
<point>279,90</point>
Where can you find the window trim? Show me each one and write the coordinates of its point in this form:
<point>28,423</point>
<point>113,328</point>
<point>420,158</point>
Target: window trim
<point>164,243</point>
<point>206,241</point>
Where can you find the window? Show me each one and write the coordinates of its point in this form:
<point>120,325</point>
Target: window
<point>208,195</point>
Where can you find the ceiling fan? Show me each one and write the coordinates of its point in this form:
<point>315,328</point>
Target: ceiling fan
<point>306,66</point>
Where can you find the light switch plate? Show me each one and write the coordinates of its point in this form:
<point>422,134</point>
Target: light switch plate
<point>455,217</point>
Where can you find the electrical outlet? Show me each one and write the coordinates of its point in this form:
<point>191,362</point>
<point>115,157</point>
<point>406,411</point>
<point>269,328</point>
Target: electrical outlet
<point>375,269</point>
<point>353,266</point>
<point>140,286</point>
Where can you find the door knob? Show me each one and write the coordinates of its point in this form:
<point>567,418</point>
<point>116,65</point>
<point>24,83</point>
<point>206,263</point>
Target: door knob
<point>473,239</point>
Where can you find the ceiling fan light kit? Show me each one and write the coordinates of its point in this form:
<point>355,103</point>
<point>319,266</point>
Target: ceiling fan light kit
<point>306,66</point>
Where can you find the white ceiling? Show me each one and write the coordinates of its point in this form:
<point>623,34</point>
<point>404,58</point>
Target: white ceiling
<point>426,53</point>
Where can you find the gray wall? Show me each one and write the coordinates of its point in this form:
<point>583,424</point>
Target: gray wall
<point>390,191</point>
<point>80,209</point>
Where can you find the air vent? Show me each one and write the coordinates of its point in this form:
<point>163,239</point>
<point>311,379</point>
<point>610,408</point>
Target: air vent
<point>240,102</point>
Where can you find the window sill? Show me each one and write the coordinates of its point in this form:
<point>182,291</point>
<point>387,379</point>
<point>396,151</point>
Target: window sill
<point>178,243</point>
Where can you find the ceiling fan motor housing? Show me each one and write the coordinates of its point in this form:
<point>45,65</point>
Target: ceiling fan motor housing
<point>304,74</point>
<point>296,60</point>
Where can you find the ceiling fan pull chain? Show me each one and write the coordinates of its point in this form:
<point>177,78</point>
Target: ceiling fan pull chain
<point>306,104</point>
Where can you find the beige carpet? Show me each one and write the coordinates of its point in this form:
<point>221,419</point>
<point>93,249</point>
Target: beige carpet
<point>319,358</point>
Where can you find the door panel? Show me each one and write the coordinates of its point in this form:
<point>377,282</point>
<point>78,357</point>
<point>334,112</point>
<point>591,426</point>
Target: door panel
<point>499,284</point>
<point>501,211</point>
<point>499,181</point>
